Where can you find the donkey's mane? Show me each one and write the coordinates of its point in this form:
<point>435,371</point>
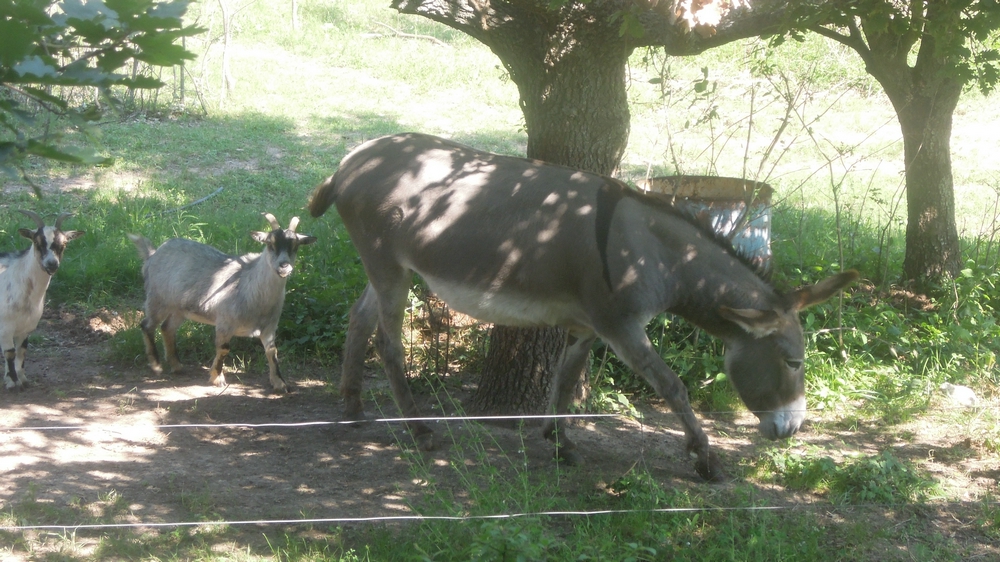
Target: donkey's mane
<point>612,192</point>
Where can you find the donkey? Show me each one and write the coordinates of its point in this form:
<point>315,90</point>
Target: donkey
<point>524,243</point>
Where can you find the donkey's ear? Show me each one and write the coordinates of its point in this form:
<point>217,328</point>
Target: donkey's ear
<point>757,323</point>
<point>809,295</point>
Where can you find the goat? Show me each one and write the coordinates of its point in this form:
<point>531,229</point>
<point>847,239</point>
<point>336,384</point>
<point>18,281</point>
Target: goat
<point>24,278</point>
<point>525,243</point>
<point>239,295</point>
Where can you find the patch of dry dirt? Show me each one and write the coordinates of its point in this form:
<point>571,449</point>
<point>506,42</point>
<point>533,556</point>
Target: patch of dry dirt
<point>173,474</point>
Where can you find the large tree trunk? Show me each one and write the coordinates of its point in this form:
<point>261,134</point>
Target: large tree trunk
<point>572,91</point>
<point>924,94</point>
<point>932,245</point>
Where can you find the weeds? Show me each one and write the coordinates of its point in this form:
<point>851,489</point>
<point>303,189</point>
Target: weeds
<point>880,479</point>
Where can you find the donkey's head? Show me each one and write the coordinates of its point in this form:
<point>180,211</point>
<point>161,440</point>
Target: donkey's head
<point>766,361</point>
<point>282,244</point>
<point>48,242</point>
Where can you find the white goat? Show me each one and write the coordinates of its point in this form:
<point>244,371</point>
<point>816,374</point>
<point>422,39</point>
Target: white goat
<point>239,295</point>
<point>24,278</point>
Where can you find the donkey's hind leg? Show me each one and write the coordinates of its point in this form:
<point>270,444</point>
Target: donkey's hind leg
<point>364,317</point>
<point>568,376</point>
<point>388,338</point>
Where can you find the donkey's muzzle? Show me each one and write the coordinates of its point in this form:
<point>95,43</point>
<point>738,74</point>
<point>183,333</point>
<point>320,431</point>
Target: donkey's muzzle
<point>783,422</point>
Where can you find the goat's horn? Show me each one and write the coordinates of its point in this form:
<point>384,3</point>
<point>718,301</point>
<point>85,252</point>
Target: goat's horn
<point>274,222</point>
<point>34,216</point>
<point>292,224</point>
<point>60,218</point>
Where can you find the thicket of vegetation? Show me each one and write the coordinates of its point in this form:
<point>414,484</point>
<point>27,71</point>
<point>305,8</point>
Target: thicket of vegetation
<point>260,118</point>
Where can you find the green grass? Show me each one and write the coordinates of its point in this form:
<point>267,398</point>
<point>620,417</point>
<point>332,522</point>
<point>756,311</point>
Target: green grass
<point>303,99</point>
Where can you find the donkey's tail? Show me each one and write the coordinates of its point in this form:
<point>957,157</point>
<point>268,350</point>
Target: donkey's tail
<point>142,245</point>
<point>322,197</point>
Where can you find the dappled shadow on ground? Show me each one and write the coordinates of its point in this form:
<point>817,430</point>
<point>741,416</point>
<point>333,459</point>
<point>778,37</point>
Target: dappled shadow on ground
<point>122,463</point>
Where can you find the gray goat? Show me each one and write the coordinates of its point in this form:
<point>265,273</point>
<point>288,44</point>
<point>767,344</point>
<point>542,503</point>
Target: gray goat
<point>24,278</point>
<point>239,295</point>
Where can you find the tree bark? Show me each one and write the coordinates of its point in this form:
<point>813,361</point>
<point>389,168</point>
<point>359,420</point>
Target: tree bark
<point>933,250</point>
<point>571,82</point>
<point>924,93</point>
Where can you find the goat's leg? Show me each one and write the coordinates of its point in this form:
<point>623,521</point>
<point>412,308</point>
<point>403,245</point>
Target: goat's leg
<point>634,347</point>
<point>388,338</point>
<point>169,330</point>
<point>567,377</point>
<point>10,379</point>
<point>278,382</point>
<point>22,349</point>
<point>216,375</point>
<point>364,317</point>
<point>148,326</point>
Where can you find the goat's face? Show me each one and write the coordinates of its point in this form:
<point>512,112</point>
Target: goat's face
<point>48,243</point>
<point>281,246</point>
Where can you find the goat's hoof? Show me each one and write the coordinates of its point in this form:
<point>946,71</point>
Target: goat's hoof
<point>219,381</point>
<point>568,457</point>
<point>286,388</point>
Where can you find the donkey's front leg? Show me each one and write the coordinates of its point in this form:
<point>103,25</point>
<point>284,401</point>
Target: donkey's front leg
<point>639,354</point>
<point>568,376</point>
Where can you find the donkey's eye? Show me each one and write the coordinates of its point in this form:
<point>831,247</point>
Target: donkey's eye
<point>794,364</point>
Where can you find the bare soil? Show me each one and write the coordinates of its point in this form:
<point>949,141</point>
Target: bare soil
<point>115,447</point>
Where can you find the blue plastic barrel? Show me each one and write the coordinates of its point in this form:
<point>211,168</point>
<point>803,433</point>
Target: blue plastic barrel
<point>720,203</point>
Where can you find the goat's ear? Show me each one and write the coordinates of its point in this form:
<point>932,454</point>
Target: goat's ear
<point>73,234</point>
<point>757,323</point>
<point>29,234</point>
<point>306,239</point>
<point>814,294</point>
<point>259,236</point>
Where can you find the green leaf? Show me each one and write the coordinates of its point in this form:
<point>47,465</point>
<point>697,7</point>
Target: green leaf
<point>113,59</point>
<point>43,95</point>
<point>35,66</point>
<point>129,8</point>
<point>16,41</point>
<point>159,49</point>
<point>93,10</point>
<point>73,155</point>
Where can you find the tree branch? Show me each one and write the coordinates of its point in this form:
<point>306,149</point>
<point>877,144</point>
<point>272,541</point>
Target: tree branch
<point>398,33</point>
<point>855,40</point>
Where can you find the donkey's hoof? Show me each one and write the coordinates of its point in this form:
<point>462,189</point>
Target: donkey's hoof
<point>711,469</point>
<point>425,442</point>
<point>568,457</point>
<point>355,419</point>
